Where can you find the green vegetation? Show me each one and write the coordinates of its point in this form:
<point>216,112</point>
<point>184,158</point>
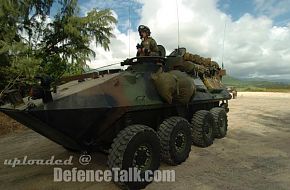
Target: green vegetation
<point>33,44</point>
<point>256,86</point>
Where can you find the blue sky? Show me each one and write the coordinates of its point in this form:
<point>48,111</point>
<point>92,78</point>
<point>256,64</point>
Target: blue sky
<point>277,10</point>
<point>121,8</point>
<point>236,8</point>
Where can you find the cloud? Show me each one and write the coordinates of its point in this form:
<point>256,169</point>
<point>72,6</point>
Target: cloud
<point>272,8</point>
<point>122,8</point>
<point>253,46</point>
<point>121,47</point>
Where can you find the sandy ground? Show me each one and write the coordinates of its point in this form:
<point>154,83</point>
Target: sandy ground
<point>254,155</point>
<point>9,125</point>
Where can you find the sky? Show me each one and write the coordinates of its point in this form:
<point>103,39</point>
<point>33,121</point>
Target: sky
<point>250,37</point>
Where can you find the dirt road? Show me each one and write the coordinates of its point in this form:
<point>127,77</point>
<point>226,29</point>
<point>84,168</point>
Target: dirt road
<point>254,155</point>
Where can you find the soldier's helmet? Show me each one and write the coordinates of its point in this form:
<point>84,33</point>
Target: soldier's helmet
<point>143,28</point>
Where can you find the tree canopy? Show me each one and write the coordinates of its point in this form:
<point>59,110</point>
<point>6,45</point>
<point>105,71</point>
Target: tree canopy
<point>31,42</point>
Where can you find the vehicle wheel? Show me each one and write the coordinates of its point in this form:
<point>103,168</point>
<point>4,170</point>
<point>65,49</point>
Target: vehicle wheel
<point>202,128</point>
<point>175,139</point>
<point>225,106</point>
<point>136,146</point>
<point>221,122</point>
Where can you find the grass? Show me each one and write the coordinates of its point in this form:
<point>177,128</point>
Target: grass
<point>257,89</point>
<point>256,86</point>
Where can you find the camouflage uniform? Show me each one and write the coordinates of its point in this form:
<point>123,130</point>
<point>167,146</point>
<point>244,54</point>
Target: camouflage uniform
<point>148,45</point>
<point>151,45</point>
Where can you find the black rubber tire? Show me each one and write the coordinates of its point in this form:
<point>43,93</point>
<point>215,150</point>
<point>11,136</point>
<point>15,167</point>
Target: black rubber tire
<point>124,147</point>
<point>167,132</point>
<point>202,128</point>
<point>221,122</point>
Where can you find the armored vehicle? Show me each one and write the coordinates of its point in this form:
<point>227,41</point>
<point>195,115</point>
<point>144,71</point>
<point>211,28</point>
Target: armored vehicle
<point>122,112</point>
<point>233,91</point>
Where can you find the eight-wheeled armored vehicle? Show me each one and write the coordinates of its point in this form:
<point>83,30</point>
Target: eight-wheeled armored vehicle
<point>123,113</point>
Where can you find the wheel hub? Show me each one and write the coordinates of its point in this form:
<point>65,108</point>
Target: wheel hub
<point>207,129</point>
<point>223,123</point>
<point>142,157</point>
<point>180,141</point>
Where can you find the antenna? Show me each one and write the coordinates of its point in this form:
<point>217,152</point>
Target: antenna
<point>223,46</point>
<point>129,28</point>
<point>177,26</point>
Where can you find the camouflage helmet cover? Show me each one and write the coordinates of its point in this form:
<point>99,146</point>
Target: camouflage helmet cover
<point>143,28</point>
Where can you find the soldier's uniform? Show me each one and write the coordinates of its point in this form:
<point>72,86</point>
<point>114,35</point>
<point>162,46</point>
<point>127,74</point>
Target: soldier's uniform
<point>148,45</point>
<point>151,45</point>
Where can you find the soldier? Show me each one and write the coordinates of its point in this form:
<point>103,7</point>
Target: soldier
<point>148,45</point>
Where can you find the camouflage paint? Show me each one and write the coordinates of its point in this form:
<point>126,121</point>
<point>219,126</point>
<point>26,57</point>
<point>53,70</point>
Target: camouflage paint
<point>93,110</point>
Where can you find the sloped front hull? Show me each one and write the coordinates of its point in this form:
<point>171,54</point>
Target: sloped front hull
<point>70,128</point>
